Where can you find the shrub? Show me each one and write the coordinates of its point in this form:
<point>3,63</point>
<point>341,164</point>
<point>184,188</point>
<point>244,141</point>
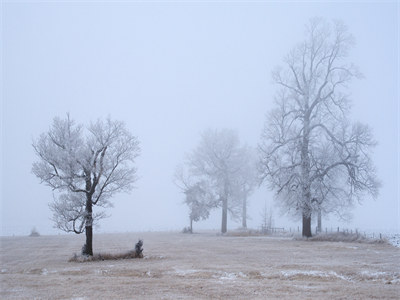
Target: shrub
<point>34,232</point>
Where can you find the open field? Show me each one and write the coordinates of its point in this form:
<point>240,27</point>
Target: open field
<point>198,266</point>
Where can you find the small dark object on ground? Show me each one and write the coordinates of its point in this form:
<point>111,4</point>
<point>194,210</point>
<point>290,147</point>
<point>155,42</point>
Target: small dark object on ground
<point>187,230</point>
<point>139,249</point>
<point>34,232</point>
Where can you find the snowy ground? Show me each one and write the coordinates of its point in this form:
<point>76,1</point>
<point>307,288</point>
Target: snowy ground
<point>394,239</point>
<point>199,266</point>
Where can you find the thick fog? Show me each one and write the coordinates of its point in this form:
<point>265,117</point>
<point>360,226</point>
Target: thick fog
<point>170,70</point>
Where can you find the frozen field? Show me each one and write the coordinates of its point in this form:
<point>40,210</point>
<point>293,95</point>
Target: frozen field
<point>198,266</point>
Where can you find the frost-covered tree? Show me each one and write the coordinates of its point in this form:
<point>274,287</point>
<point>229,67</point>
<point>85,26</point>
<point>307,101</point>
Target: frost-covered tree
<point>85,167</point>
<point>199,196</point>
<point>311,155</point>
<point>219,160</point>
<point>200,200</point>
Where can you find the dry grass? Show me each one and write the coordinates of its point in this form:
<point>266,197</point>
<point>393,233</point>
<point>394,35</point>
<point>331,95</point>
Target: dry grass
<point>346,237</point>
<point>105,256</point>
<point>198,266</point>
<point>244,233</point>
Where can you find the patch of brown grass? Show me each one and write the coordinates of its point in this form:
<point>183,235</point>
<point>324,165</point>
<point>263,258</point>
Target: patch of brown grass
<point>346,237</point>
<point>243,233</point>
<point>105,256</point>
<point>254,232</point>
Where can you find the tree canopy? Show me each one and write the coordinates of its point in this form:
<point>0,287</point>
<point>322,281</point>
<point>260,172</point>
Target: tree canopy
<point>85,167</point>
<point>312,156</point>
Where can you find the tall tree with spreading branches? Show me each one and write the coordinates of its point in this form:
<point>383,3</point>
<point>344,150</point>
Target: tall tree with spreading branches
<point>311,154</point>
<point>85,167</point>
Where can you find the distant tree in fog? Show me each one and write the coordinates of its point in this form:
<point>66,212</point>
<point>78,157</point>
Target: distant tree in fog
<point>199,196</point>
<point>200,201</point>
<point>267,217</point>
<point>311,155</point>
<point>218,166</point>
<point>86,166</point>
<point>245,183</point>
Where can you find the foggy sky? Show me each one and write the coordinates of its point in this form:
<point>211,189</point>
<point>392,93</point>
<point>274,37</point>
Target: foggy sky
<point>170,70</point>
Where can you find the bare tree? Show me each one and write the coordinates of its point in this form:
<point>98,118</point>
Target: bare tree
<point>219,160</point>
<point>310,153</point>
<point>86,168</point>
<point>267,219</point>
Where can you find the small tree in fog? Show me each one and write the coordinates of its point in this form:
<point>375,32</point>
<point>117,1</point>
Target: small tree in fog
<point>86,166</point>
<point>311,155</point>
<point>200,202</point>
<point>219,160</point>
<point>199,197</point>
<point>267,219</point>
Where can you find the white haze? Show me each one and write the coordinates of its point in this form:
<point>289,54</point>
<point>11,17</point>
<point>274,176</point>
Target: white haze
<point>171,70</point>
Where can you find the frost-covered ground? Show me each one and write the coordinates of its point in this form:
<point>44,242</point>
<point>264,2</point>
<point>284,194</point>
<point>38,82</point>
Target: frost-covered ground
<point>393,238</point>
<point>199,266</point>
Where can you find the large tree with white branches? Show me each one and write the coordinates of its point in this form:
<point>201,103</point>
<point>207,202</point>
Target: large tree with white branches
<point>85,167</point>
<point>311,155</point>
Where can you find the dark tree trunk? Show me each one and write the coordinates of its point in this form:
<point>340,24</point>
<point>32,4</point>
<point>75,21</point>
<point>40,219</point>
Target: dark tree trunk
<point>89,241</point>
<point>306,212</point>
<point>89,228</point>
<point>88,250</point>
<point>306,225</point>
<point>191,225</point>
<point>244,213</point>
<point>319,226</point>
<point>224,215</point>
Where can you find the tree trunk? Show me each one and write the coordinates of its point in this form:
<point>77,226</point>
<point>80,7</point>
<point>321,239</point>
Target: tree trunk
<point>319,226</point>
<point>89,241</point>
<point>88,250</point>
<point>191,225</point>
<point>305,172</point>
<point>306,225</point>
<point>224,215</point>
<point>306,212</point>
<point>244,213</point>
